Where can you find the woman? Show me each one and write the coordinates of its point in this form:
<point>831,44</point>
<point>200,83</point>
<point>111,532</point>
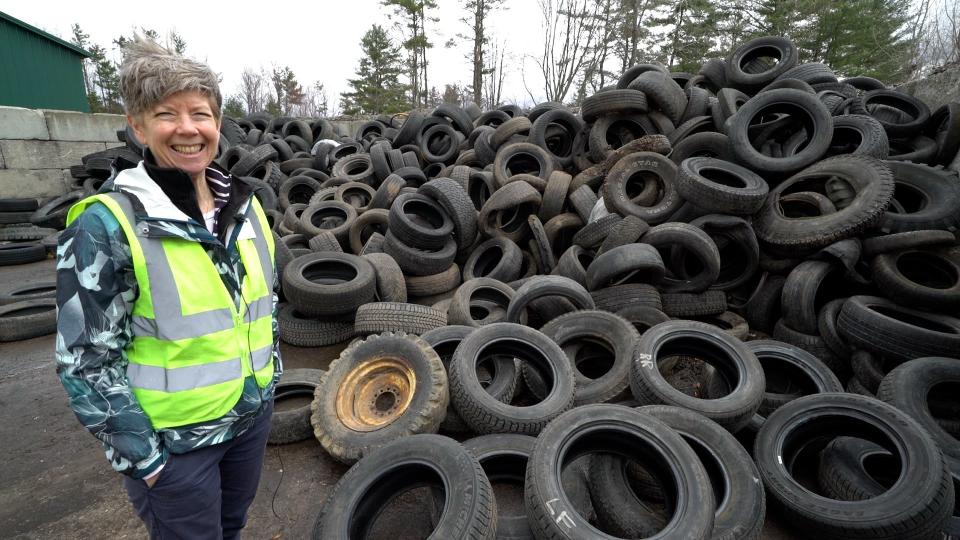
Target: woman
<point>167,342</point>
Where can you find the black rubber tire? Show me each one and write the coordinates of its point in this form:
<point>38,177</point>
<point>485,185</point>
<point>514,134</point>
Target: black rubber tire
<point>554,195</point>
<point>21,253</point>
<point>571,264</point>
<point>484,289</point>
<point>419,262</point>
<point>696,243</point>
<point>301,331</point>
<point>329,283</point>
<point>594,233</point>
<point>290,426</point>
<point>391,285</point>
<point>18,205</point>
<point>737,245</point>
<point>422,414</point>
<point>917,506</point>
<point>662,93</point>
<point>456,201</point>
<point>516,200</point>
<point>827,328</point>
<point>847,129</point>
<point>916,110</point>
<point>504,457</point>
<point>333,216</point>
<point>921,279</point>
<point>842,471</point>
<point>19,292</point>
<point>817,116</point>
<point>805,374</point>
<point>26,232</point>
<point>582,200</point>
<point>704,143</point>
<point>643,318</point>
<point>887,243</point>
<point>545,286</point>
<point>895,332</point>
<point>683,305</point>
<point>727,355</point>
<point>54,213</point>
<point>873,182</point>
<point>28,319</point>
<point>624,432</point>
<point>389,471</point>
<point>720,186</point>
<point>786,53</point>
<point>498,258</point>
<point>376,317</point>
<point>807,289</point>
<point>940,190</point>
<point>908,388</point>
<point>619,102</point>
<point>325,241</point>
<point>631,263</point>
<point>253,159</point>
<point>616,193</point>
<point>626,232</point>
<point>418,221</point>
<point>598,328</point>
<point>618,297</point>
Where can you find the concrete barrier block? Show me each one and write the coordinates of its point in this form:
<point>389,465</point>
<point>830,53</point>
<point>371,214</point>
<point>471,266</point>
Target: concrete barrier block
<point>20,123</point>
<point>25,183</point>
<point>76,126</point>
<point>46,154</point>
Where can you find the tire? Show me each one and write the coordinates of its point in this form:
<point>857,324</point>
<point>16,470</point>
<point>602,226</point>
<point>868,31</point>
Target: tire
<point>54,213</point>
<point>916,110</point>
<point>731,359</point>
<point>290,426</point>
<point>662,92</point>
<point>859,134</point>
<point>887,243</point>
<point>619,102</point>
<point>19,205</point>
<point>720,186</point>
<point>11,294</point>
<point>568,122</point>
<point>544,286</point>
<point>895,332</point>
<point>705,144</point>
<point>301,331</point>
<point>613,333</point>
<point>873,182</point>
<point>827,328</point>
<point>504,459</point>
<point>376,317</point>
<point>762,309</point>
<point>571,264</point>
<point>643,318</point>
<point>921,279</point>
<point>391,285</point>
<point>624,233</point>
<point>23,233</point>
<point>696,242</point>
<point>417,221</point>
<point>917,506</point>
<point>21,253</point>
<point>617,430</point>
<point>778,101</point>
<point>594,233</point>
<point>498,258</point>
<point>253,159</point>
<point>483,289</point>
<point>630,263</point>
<point>456,202</point>
<point>371,485</point>
<point>737,245</point>
<point>419,262</point>
<point>618,297</point>
<point>421,286</point>
<point>940,190</point>
<point>842,471</point>
<point>787,54</point>
<point>617,193</point>
<point>344,431</point>
<point>907,388</point>
<point>808,287</point>
<point>517,200</point>
<point>28,319</point>
<point>682,305</point>
<point>790,373</point>
<point>485,414</point>
<point>329,283</point>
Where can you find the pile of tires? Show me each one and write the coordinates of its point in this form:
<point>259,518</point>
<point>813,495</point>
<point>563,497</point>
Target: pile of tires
<point>746,257</point>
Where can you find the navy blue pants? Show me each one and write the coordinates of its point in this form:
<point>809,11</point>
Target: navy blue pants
<point>204,493</point>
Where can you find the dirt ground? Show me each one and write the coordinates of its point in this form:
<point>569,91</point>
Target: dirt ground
<point>57,483</point>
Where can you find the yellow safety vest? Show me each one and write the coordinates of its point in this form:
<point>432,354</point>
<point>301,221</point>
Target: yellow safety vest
<point>191,346</point>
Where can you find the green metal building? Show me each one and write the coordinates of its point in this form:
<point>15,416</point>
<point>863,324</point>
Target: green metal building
<point>38,70</point>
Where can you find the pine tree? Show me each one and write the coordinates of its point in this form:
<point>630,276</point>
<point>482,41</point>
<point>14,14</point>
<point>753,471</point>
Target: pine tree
<point>479,38</point>
<point>414,13</point>
<point>693,26</point>
<point>377,88</point>
<point>233,107</point>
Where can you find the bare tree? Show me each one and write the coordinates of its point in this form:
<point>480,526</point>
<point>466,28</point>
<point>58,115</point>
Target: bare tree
<point>252,90</point>
<point>493,67</point>
<point>569,35</point>
<point>479,11</point>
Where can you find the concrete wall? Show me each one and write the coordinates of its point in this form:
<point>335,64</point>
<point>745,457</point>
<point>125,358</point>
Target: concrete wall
<point>937,89</point>
<point>37,148</point>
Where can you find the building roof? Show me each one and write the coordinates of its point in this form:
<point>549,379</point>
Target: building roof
<point>51,37</point>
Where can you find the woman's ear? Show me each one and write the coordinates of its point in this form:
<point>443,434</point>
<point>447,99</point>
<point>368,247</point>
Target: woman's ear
<point>137,128</point>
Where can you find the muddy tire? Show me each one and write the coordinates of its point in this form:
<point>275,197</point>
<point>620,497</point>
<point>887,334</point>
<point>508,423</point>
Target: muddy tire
<point>289,426</point>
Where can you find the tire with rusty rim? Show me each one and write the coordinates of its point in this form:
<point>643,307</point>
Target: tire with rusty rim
<point>380,389</point>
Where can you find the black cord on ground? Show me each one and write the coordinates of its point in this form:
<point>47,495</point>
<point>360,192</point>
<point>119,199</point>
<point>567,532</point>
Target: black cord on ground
<point>273,502</point>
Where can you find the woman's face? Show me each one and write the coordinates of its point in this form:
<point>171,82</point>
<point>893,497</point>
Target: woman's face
<point>181,131</point>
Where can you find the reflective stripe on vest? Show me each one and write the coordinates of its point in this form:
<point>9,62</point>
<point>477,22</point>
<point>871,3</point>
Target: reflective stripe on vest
<point>191,348</point>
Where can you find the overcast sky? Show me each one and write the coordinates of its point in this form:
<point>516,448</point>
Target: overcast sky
<point>319,40</point>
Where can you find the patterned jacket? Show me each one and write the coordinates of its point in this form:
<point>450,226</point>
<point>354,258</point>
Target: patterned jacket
<point>96,290</point>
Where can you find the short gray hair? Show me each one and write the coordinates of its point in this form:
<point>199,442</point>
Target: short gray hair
<point>150,73</point>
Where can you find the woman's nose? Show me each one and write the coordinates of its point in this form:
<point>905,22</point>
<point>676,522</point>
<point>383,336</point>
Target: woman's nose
<point>187,125</point>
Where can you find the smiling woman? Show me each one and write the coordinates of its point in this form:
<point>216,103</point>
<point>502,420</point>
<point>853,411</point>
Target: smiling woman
<point>167,340</point>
